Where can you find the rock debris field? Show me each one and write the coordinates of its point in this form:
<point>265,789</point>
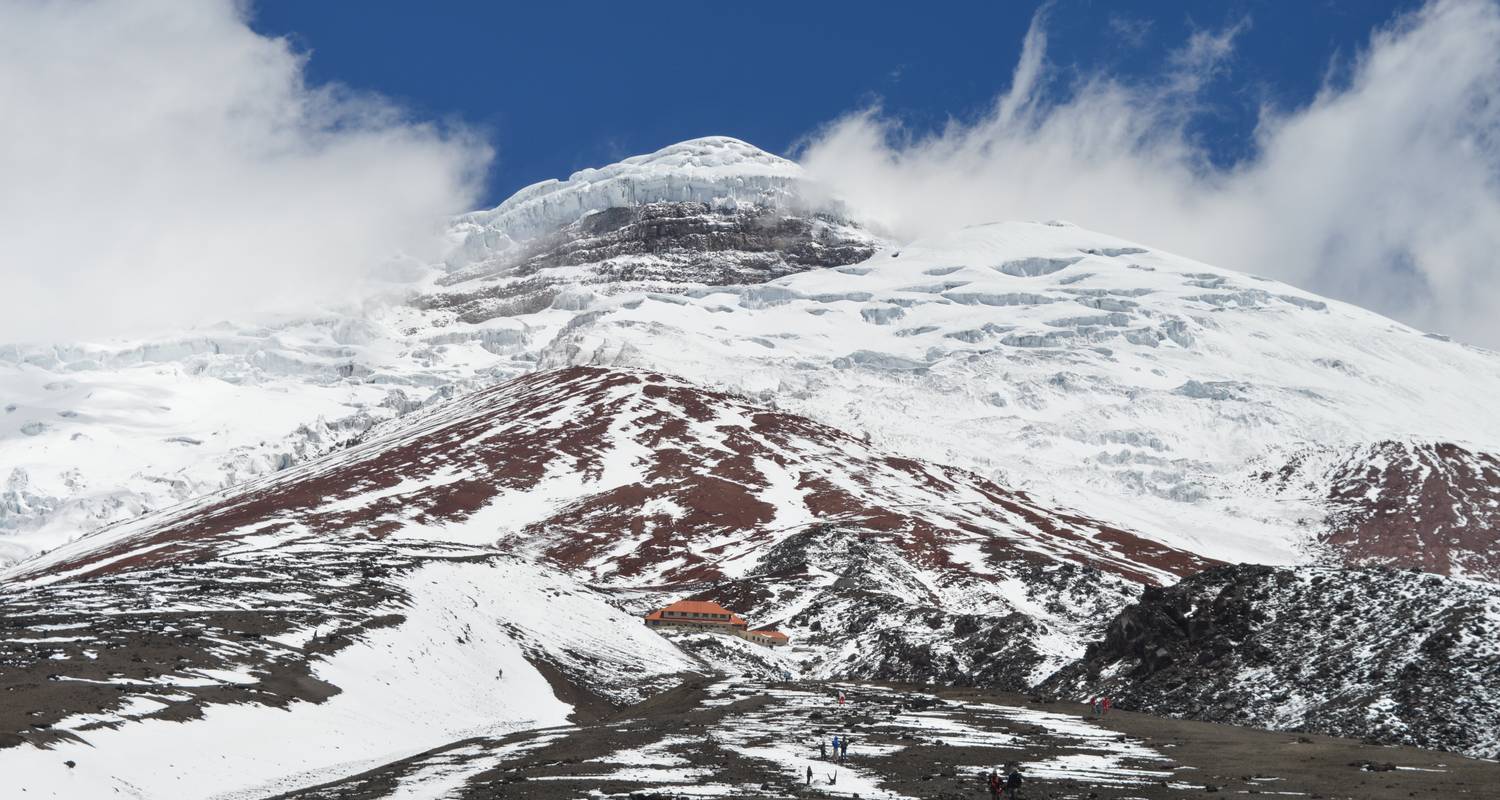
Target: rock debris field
<point>739,738</point>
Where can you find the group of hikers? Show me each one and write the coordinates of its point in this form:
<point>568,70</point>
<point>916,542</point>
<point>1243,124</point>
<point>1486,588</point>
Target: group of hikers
<point>840,750</point>
<point>1007,786</point>
<point>1100,704</point>
<point>840,747</point>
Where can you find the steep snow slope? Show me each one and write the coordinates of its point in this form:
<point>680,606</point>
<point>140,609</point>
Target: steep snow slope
<point>1132,384</point>
<point>655,488</point>
<point>93,433</point>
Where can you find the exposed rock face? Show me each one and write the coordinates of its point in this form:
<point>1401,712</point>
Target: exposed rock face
<point>1433,506</point>
<point>885,615</point>
<point>1395,656</point>
<point>664,247</point>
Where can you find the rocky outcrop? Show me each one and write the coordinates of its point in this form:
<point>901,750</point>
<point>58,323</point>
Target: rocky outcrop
<point>661,246</point>
<point>1394,656</point>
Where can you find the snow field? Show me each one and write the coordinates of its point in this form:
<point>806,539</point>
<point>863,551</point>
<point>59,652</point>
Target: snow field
<point>447,671</point>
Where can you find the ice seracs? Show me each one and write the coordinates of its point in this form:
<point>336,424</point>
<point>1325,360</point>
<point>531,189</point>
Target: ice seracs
<point>717,170</point>
<point>1130,383</point>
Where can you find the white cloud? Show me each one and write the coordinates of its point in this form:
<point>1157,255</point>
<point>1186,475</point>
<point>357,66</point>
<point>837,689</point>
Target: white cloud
<point>161,163</point>
<point>1384,190</point>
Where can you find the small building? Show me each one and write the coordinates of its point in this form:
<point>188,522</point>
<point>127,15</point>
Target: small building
<point>704,615</point>
<point>700,614</point>
<point>767,638</point>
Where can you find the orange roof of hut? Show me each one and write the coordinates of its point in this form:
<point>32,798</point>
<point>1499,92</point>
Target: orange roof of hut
<point>697,611</point>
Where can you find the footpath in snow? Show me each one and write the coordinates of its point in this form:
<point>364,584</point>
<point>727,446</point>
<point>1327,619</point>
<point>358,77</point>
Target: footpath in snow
<point>743,738</point>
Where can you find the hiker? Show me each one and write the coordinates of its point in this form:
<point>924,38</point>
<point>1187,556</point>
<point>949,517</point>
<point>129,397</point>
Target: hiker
<point>844,747</point>
<point>841,697</point>
<point>809,774</point>
<point>1013,783</point>
<point>994,784</point>
<point>835,745</point>
<point>1094,704</point>
<point>822,750</point>
<point>1104,704</point>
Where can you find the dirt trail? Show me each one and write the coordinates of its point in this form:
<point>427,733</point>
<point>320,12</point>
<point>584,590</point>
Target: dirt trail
<point>740,738</point>
<point>1240,760</point>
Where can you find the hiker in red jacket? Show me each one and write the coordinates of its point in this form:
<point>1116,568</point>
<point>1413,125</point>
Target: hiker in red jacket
<point>1104,704</point>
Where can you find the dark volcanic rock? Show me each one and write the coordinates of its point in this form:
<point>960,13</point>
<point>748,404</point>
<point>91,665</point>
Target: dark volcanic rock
<point>664,247</point>
<point>1393,656</point>
<point>887,619</point>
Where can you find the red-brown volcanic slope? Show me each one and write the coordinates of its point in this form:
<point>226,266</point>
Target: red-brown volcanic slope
<point>626,477</point>
<point>1435,507</point>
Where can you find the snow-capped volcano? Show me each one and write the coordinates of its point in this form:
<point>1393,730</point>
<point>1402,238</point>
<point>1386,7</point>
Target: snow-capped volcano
<point>693,374</point>
<point>1137,386</point>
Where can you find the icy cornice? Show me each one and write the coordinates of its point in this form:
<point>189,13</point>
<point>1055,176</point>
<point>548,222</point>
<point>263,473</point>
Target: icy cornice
<point>718,170</point>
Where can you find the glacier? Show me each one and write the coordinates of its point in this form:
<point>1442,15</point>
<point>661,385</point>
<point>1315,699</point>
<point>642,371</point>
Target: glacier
<point>1100,373</point>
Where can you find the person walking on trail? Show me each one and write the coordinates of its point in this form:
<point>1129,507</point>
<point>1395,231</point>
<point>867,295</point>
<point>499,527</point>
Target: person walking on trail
<point>1094,704</point>
<point>822,750</point>
<point>809,774</point>
<point>844,747</point>
<point>1013,783</point>
<point>994,784</point>
<point>841,697</point>
<point>1104,704</point>
<point>835,746</point>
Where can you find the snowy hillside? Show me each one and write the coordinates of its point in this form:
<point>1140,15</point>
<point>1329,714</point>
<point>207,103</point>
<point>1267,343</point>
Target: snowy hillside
<point>605,489</point>
<point>413,588</point>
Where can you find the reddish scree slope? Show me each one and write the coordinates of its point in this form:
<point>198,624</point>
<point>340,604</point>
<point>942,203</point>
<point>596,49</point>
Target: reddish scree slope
<point>629,478</point>
<point>1431,506</point>
<point>1405,504</point>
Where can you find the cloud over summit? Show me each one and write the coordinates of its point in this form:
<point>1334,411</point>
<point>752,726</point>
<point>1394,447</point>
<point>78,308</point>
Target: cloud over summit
<point>1384,190</point>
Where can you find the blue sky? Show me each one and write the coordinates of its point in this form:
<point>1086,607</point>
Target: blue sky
<point>1351,149</point>
<point>557,87</point>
